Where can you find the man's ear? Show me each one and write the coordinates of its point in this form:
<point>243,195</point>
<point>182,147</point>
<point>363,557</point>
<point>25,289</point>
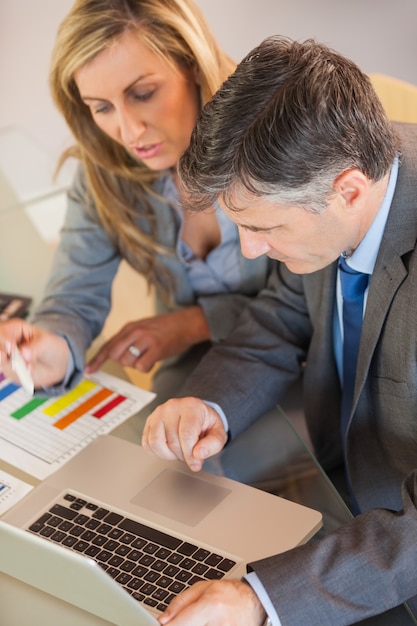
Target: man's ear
<point>352,186</point>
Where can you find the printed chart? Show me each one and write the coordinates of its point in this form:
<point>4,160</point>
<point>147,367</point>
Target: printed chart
<point>11,491</point>
<point>38,434</point>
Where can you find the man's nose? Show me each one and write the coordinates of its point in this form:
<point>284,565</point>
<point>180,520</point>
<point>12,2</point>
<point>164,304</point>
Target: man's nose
<point>252,244</point>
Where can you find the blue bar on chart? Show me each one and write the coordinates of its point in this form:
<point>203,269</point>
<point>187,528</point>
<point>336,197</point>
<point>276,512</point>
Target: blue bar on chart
<point>7,390</point>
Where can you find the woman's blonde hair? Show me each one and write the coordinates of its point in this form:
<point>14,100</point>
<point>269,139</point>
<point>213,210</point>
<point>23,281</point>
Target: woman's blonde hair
<point>174,29</point>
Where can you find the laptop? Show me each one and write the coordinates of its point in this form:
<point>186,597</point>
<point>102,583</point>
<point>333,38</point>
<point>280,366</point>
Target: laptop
<point>164,528</point>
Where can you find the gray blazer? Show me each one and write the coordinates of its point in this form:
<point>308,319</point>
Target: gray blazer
<point>78,294</point>
<point>368,565</point>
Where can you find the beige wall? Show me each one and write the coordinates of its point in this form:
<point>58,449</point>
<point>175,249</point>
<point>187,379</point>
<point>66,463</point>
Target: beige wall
<point>380,35</point>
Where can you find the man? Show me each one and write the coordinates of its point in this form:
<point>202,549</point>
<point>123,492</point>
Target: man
<point>298,151</point>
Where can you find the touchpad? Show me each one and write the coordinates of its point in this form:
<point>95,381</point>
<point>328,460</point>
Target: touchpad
<point>184,498</point>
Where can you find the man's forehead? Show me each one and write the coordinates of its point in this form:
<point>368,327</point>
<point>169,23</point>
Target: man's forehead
<point>254,212</point>
<point>238,198</point>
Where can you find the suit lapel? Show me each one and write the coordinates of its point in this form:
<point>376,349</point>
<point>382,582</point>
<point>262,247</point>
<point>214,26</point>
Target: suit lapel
<point>399,239</point>
<point>390,273</point>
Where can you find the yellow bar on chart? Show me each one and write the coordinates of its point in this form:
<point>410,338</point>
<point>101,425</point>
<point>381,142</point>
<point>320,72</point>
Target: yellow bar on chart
<point>83,408</point>
<point>62,403</point>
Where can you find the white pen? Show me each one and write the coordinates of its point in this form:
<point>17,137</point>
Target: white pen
<point>21,369</point>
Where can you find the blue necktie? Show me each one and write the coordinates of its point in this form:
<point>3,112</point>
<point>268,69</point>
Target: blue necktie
<point>354,285</point>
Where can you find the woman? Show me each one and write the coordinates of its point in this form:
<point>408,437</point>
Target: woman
<point>130,79</point>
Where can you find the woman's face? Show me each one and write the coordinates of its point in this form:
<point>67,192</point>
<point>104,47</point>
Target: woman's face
<point>140,100</point>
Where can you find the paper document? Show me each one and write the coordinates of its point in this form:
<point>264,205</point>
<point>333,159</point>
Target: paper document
<point>11,491</point>
<point>38,434</point>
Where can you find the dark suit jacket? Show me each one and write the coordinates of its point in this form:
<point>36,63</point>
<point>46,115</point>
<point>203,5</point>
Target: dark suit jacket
<point>370,564</point>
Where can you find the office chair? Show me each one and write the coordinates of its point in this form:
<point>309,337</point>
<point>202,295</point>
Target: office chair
<point>398,97</point>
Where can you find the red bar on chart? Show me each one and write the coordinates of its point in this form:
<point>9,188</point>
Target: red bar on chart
<point>109,406</point>
<point>82,409</point>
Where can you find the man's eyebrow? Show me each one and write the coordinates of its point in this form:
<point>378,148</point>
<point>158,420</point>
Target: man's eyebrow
<point>256,229</point>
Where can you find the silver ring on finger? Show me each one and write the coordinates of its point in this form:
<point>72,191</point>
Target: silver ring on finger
<point>134,351</point>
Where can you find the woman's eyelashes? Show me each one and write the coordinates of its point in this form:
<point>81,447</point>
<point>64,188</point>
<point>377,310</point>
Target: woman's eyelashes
<point>105,107</point>
<point>144,96</point>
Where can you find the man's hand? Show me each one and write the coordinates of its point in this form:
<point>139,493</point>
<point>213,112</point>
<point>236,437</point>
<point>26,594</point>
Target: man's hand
<point>185,429</point>
<point>46,354</point>
<point>214,603</point>
<point>153,339</point>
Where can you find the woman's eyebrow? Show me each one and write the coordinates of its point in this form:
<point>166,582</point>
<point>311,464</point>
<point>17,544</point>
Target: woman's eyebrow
<point>125,90</point>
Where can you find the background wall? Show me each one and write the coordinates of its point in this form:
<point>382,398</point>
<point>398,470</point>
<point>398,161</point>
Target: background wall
<point>380,35</point>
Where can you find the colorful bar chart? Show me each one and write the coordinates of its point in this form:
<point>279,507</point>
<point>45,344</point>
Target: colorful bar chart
<point>39,433</point>
<point>12,490</point>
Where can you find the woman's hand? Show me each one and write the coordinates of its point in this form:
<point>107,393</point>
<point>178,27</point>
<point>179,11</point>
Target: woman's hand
<point>46,354</point>
<point>142,343</point>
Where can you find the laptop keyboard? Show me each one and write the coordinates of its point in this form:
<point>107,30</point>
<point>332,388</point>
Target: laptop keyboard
<point>151,565</point>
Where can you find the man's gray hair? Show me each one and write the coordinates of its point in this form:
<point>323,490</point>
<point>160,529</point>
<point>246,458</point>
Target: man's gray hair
<point>285,125</point>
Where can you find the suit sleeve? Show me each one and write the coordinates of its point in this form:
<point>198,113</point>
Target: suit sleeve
<point>362,569</point>
<point>249,372</point>
<point>78,293</point>
<point>222,312</point>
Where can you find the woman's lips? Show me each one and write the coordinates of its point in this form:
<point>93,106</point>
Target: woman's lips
<point>149,151</point>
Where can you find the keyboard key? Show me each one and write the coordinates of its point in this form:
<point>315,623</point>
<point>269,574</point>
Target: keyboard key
<point>64,512</point>
<point>147,589</point>
<point>69,541</point>
<point>214,559</point>
<point>150,533</point>
<point>92,551</point>
<point>134,583</point>
<point>213,574</point>
<point>201,555</point>
<point>100,513</point>
<point>187,549</point>
<point>123,578</point>
<point>160,594</point>
<point>36,526</point>
<point>200,569</point>
<point>113,518</point>
<point>226,565</point>
<point>176,587</point>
